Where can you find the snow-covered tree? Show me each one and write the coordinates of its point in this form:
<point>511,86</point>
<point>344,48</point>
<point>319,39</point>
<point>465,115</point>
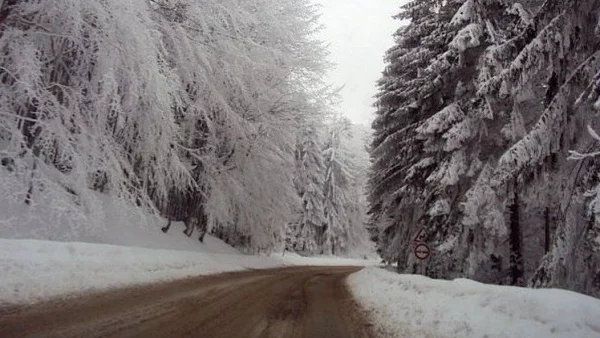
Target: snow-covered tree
<point>480,161</point>
<point>419,102</point>
<point>394,148</point>
<point>87,99</point>
<point>312,225</point>
<point>344,191</point>
<point>183,107</point>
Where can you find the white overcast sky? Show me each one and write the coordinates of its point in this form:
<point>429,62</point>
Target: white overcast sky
<point>359,32</point>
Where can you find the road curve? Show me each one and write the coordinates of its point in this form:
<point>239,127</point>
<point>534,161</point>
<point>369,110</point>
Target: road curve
<point>293,302</point>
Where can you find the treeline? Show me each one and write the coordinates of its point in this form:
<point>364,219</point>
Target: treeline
<point>194,110</point>
<point>479,106</point>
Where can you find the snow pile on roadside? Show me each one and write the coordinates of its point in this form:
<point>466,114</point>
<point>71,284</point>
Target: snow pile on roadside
<point>33,270</point>
<point>417,306</point>
<point>291,258</point>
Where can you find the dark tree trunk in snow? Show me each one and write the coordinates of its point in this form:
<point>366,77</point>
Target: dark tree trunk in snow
<point>166,228</point>
<point>29,196</point>
<point>546,230</point>
<point>516,242</point>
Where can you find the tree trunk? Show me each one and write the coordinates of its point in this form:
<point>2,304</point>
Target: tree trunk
<point>29,195</point>
<point>516,242</point>
<point>166,228</point>
<point>546,230</point>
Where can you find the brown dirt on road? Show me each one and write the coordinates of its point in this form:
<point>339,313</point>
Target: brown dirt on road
<point>294,302</point>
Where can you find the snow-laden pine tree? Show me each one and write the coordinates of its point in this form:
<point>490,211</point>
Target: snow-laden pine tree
<point>425,121</point>
<point>344,205</point>
<point>482,163</point>
<point>311,226</point>
<point>398,163</point>
<point>338,173</point>
<point>463,140</point>
<point>428,118</point>
<point>551,70</point>
<point>330,178</point>
<point>356,144</point>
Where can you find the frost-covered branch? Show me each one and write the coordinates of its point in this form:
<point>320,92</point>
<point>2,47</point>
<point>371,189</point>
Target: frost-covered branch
<point>575,155</point>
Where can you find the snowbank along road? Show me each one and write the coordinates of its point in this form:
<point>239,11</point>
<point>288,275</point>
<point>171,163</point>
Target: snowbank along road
<point>288,302</point>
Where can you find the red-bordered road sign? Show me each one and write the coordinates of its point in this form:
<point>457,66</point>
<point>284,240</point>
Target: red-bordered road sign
<point>422,251</point>
<point>421,236</point>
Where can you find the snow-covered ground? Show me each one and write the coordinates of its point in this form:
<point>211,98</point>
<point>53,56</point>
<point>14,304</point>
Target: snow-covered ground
<point>417,306</point>
<point>101,219</point>
<point>54,248</point>
<point>33,270</point>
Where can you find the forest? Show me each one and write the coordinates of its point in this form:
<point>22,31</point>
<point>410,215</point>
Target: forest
<point>217,114</point>
<point>198,168</point>
<point>212,113</point>
<point>486,138</point>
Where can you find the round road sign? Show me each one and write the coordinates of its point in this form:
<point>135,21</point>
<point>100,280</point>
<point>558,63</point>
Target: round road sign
<point>422,251</point>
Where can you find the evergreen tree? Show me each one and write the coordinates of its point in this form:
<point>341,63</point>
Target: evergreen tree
<point>477,154</point>
<point>558,49</point>
<point>394,196</point>
<point>312,225</point>
<point>340,173</point>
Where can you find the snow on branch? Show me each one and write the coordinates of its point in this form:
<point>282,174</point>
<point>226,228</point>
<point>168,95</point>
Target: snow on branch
<point>518,9</point>
<point>532,58</point>
<point>466,13</point>
<point>144,99</point>
<point>442,120</point>
<point>575,155</point>
<point>541,140</point>
<point>468,37</point>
